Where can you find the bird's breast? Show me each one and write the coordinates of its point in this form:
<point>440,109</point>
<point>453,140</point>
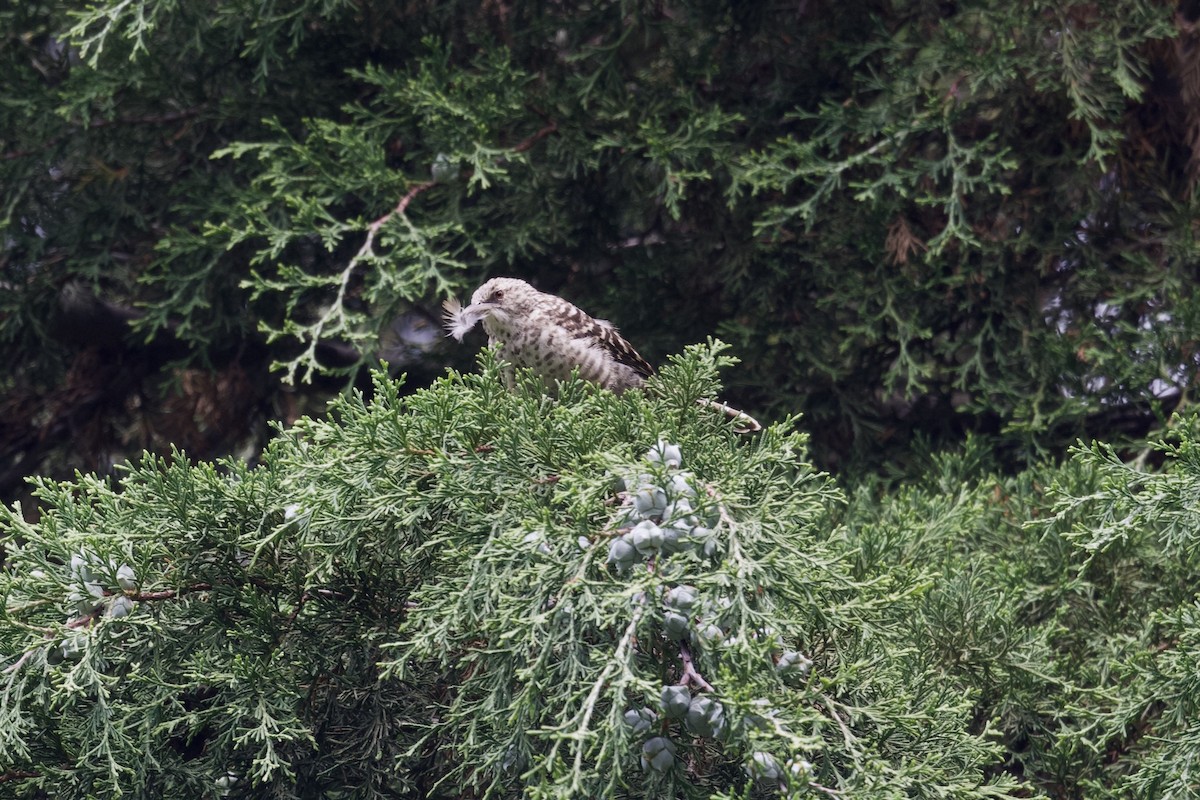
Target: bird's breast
<point>550,350</point>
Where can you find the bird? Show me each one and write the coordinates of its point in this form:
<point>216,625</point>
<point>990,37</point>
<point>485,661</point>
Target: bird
<point>553,337</point>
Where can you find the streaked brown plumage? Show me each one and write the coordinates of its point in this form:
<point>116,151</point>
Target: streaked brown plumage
<point>552,337</point>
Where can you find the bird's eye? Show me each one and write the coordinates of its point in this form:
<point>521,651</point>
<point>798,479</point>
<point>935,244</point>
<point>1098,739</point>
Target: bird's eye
<point>498,294</point>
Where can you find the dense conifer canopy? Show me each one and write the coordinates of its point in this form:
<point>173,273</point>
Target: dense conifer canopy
<point>949,245</point>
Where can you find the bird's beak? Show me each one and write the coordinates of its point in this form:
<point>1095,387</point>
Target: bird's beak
<point>459,320</point>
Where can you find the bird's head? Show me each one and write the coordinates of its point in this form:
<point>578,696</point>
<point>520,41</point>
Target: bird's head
<point>502,300</point>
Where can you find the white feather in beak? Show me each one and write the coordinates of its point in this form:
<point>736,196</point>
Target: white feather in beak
<point>459,320</point>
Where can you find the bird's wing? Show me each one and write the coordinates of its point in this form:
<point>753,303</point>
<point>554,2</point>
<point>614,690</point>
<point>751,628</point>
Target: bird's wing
<point>621,350</point>
<point>602,333</point>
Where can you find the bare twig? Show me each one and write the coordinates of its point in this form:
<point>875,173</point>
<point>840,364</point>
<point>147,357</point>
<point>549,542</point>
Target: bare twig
<point>85,620</point>
<point>690,675</point>
<point>542,133</point>
<point>11,668</point>
<point>161,594</point>
<point>336,309</point>
<point>372,229</point>
<point>18,775</point>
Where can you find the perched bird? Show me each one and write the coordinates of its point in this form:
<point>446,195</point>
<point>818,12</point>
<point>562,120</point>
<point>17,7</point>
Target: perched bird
<point>553,337</point>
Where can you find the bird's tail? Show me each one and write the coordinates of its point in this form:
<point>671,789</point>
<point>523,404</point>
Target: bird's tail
<point>745,422</point>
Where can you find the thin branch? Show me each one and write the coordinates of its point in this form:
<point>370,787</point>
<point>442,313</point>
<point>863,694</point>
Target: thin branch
<point>336,309</point>
<point>18,775</point>
<point>19,662</point>
<point>401,207</point>
<point>161,594</point>
<point>827,790</point>
<point>690,675</point>
<point>542,133</point>
<point>85,620</point>
<point>313,595</point>
<point>846,734</point>
<point>579,736</point>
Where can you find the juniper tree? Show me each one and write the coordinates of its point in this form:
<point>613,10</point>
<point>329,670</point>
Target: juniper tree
<point>1067,600</point>
<point>911,220</point>
<point>472,592</point>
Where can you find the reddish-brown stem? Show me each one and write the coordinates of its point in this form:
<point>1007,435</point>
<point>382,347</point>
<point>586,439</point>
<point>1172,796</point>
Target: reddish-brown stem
<point>542,133</point>
<point>690,675</point>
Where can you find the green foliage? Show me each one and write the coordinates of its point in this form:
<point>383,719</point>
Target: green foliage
<point>310,181</point>
<point>958,228</point>
<point>416,600</point>
<point>1067,602</point>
